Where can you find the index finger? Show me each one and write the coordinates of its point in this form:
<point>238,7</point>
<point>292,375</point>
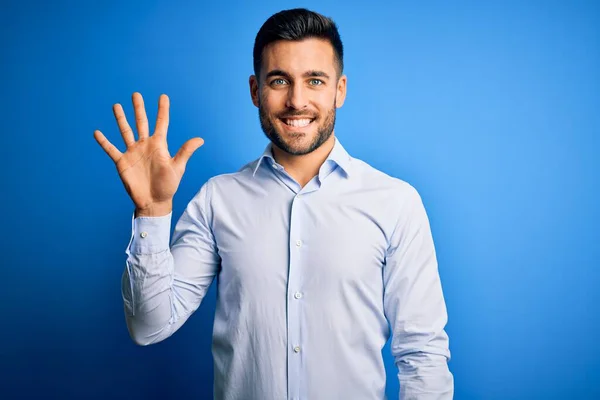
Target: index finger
<point>162,118</point>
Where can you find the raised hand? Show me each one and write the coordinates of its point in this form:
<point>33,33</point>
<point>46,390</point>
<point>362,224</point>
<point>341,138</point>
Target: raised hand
<point>150,175</point>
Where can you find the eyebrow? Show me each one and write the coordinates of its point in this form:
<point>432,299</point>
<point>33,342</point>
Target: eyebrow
<point>307,74</point>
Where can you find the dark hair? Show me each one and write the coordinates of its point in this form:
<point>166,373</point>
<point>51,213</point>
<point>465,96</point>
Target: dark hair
<point>297,24</point>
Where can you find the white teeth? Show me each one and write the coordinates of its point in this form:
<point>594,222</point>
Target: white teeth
<point>297,122</point>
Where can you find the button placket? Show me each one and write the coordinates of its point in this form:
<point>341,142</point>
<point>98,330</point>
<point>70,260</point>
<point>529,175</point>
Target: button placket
<point>294,308</point>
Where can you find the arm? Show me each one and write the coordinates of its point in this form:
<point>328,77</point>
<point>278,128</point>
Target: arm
<point>163,286</point>
<point>415,307</point>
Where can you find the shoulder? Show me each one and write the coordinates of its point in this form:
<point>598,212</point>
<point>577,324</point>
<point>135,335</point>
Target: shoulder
<point>395,202</point>
<point>227,187</point>
<point>395,188</point>
<point>232,179</point>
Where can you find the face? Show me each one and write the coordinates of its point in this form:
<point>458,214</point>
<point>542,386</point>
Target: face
<point>297,94</point>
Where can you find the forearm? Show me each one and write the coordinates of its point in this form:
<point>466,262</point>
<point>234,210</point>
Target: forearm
<point>163,282</point>
<point>424,376</point>
<point>148,283</point>
<point>147,297</point>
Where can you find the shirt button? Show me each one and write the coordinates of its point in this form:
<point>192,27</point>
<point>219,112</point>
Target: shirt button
<point>297,349</point>
<point>143,234</point>
<point>298,243</point>
<point>297,295</point>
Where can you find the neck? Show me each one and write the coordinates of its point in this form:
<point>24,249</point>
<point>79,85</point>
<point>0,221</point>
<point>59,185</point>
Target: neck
<point>305,167</point>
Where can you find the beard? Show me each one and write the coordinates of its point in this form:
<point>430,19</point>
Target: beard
<point>324,130</point>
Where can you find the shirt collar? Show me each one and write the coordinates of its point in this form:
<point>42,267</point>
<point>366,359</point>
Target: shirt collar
<point>338,155</point>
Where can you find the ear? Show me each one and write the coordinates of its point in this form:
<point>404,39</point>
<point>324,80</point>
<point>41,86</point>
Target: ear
<point>254,89</point>
<point>340,94</point>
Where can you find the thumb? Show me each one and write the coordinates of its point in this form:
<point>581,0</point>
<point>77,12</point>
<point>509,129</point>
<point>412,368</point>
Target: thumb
<point>186,151</point>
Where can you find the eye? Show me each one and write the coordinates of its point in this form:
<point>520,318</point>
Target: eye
<point>316,82</point>
<point>278,81</point>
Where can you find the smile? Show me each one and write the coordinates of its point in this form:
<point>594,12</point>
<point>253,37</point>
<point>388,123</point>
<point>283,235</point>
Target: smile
<point>297,123</point>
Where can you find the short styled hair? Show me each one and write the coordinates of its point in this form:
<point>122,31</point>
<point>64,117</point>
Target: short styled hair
<point>298,24</point>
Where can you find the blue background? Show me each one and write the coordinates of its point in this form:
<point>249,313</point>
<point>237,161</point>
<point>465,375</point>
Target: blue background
<point>490,109</point>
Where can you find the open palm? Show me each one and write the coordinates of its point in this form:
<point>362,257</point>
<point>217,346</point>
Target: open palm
<point>149,174</point>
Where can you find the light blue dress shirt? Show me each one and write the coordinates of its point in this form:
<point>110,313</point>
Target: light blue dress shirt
<point>311,282</point>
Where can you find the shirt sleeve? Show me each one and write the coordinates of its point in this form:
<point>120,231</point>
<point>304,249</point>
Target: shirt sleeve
<point>415,307</point>
<point>163,285</point>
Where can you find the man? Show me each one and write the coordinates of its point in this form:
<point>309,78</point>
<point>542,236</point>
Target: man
<point>314,251</point>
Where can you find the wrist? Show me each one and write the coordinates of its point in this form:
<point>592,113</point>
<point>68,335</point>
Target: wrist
<point>155,210</point>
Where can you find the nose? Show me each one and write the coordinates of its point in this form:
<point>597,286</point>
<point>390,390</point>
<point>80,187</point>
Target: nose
<point>297,97</point>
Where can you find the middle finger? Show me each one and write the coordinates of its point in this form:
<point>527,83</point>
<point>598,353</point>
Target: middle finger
<point>141,120</point>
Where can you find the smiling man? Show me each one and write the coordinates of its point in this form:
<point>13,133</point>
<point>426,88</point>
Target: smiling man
<point>318,256</point>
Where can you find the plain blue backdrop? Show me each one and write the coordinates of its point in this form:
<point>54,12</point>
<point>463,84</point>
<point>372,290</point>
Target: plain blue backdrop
<point>490,109</point>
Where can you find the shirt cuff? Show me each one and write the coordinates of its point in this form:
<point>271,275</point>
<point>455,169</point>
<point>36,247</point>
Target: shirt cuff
<point>149,234</point>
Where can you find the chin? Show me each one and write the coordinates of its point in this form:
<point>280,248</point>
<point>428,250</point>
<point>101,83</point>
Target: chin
<point>295,147</point>
<point>299,145</point>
